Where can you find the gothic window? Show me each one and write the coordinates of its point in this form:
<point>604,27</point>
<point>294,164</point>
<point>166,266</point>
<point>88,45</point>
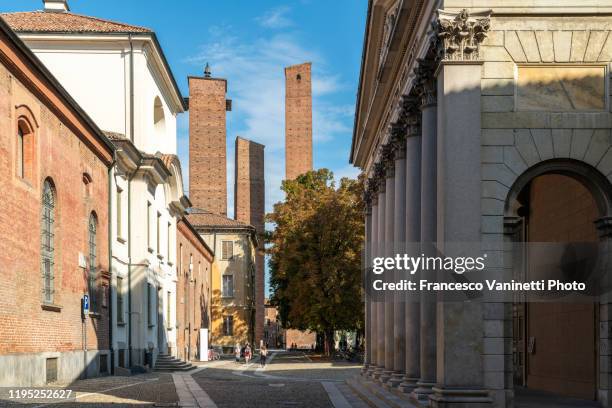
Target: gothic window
<point>93,252</point>
<point>47,240</point>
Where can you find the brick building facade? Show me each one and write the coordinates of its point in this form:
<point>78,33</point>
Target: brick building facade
<point>298,120</point>
<point>207,143</point>
<point>193,290</point>
<point>249,207</point>
<point>54,247</point>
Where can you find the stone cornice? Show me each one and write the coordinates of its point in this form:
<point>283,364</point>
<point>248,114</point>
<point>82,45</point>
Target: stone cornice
<point>461,34</point>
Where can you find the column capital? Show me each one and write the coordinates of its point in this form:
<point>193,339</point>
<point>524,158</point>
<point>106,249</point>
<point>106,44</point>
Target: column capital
<point>367,201</point>
<point>397,131</point>
<point>387,155</point>
<point>410,114</point>
<point>425,81</point>
<point>379,177</point>
<point>461,34</point>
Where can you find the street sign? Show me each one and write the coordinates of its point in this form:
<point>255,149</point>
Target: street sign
<point>85,305</point>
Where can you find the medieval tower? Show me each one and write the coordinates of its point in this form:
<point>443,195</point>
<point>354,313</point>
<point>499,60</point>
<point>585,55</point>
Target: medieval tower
<point>298,120</point>
<point>249,207</point>
<point>207,143</point>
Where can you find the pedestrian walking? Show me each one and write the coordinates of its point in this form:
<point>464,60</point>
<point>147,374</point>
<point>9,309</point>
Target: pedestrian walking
<point>247,353</point>
<point>263,354</point>
<point>237,351</point>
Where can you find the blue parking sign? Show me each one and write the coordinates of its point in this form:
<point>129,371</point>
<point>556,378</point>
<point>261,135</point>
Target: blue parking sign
<point>85,304</point>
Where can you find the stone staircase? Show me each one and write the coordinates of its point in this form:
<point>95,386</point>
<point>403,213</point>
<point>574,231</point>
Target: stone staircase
<point>168,363</point>
<point>377,396</point>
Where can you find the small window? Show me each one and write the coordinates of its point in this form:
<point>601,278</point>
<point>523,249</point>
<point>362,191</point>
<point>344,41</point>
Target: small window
<point>120,299</point>
<point>227,250</point>
<point>51,370</point>
<point>149,226</point>
<point>158,231</point>
<point>119,218</point>
<point>20,154</point>
<point>93,259</point>
<point>228,285</point>
<point>150,292</point>
<point>228,325</point>
<point>168,234</point>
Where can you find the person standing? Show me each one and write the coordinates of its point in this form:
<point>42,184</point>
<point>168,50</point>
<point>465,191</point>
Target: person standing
<point>247,353</point>
<point>237,350</point>
<point>263,354</point>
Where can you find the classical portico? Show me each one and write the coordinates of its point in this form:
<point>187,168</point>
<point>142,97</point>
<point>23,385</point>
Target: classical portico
<point>462,113</point>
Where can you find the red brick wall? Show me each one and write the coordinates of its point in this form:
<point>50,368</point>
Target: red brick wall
<point>249,207</point>
<point>193,291</point>
<point>62,156</point>
<point>207,144</point>
<point>298,120</point>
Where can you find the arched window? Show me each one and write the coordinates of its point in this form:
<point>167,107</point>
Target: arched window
<point>47,240</point>
<point>93,252</point>
<point>25,150</point>
<point>159,118</point>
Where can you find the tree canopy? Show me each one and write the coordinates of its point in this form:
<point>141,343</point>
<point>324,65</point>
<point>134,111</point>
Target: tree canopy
<point>315,254</point>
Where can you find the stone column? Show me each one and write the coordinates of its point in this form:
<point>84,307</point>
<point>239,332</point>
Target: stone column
<point>428,226</point>
<point>388,248</point>
<point>367,256</point>
<point>460,381</point>
<point>412,238</point>
<point>380,305</point>
<point>372,303</point>
<point>398,140</point>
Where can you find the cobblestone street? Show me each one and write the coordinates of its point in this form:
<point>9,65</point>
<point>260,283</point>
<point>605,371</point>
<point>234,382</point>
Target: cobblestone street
<point>289,380</point>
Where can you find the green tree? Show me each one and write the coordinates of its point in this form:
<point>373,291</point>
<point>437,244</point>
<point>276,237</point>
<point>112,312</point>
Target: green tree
<point>315,254</point>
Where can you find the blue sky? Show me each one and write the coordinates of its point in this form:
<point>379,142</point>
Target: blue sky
<point>249,43</point>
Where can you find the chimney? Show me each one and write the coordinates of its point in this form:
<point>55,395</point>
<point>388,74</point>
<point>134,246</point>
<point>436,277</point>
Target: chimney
<point>57,6</point>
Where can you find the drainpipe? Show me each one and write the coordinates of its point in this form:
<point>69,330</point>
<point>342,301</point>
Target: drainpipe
<point>110,263</point>
<point>131,88</point>
<point>129,220</point>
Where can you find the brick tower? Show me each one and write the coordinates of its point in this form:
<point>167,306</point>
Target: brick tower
<point>249,207</point>
<point>298,120</point>
<point>207,143</point>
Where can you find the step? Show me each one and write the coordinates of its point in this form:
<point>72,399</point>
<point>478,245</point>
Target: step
<point>169,369</point>
<point>376,396</point>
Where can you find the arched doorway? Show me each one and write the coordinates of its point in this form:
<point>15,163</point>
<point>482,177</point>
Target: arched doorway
<point>555,344</point>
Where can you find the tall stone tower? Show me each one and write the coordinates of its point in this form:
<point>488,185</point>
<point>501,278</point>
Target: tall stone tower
<point>207,142</point>
<point>249,207</point>
<point>298,120</point>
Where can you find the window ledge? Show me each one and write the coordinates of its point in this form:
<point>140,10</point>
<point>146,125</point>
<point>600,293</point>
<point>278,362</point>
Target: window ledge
<point>150,249</point>
<point>121,240</point>
<point>151,326</point>
<point>95,315</point>
<point>170,263</point>
<point>160,256</point>
<point>227,297</point>
<point>121,324</point>
<point>51,307</point>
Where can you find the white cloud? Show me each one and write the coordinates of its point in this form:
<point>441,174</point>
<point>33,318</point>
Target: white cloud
<point>275,18</point>
<point>254,70</point>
